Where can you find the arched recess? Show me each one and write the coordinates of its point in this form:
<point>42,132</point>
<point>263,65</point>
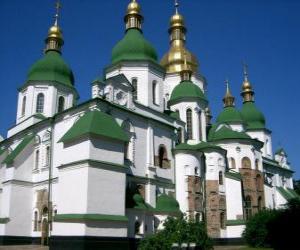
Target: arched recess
<point>163,161</point>
<point>189,124</point>
<point>129,150</point>
<point>248,207</point>
<point>40,103</point>
<point>232,163</point>
<point>246,163</point>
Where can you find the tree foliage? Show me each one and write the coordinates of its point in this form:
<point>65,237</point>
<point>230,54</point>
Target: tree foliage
<point>297,186</point>
<point>177,230</point>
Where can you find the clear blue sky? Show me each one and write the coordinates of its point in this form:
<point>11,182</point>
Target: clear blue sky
<point>222,33</point>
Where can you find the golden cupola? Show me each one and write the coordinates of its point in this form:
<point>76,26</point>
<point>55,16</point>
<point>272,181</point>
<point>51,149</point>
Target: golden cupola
<point>173,61</point>
<point>54,40</point>
<point>228,98</point>
<point>247,91</point>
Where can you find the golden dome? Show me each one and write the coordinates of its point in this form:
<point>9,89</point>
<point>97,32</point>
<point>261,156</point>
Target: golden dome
<point>177,20</point>
<point>55,32</point>
<point>133,8</point>
<point>246,86</point>
<point>174,60</point>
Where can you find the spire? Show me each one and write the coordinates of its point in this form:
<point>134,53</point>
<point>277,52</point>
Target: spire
<point>228,98</point>
<point>173,60</point>
<point>54,40</point>
<point>247,92</point>
<point>133,17</point>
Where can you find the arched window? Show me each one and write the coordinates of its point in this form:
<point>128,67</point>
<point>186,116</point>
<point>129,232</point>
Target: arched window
<point>197,217</point>
<point>37,159</point>
<point>35,221</point>
<point>259,203</point>
<point>246,163</point>
<point>47,156</point>
<point>179,135</point>
<point>61,104</point>
<point>256,164</point>
<point>258,183</point>
<point>40,103</point>
<point>45,211</point>
<point>129,146</point>
<point>23,105</point>
<point>248,207</point>
<point>221,178</point>
<point>196,171</point>
<point>162,156</point>
<point>222,220</point>
<point>232,162</point>
<point>189,124</point>
<point>155,92</point>
<point>135,88</point>
<point>200,126</point>
<point>137,227</point>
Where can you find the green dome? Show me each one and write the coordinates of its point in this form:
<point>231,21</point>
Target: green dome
<point>166,203</point>
<point>252,116</point>
<point>133,47</point>
<point>186,89</point>
<point>230,114</point>
<point>218,132</point>
<point>51,67</point>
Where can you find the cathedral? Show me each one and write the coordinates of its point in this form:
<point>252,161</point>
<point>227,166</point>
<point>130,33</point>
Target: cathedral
<point>104,173</point>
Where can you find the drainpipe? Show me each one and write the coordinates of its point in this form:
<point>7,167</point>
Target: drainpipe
<point>204,180</point>
<point>50,180</point>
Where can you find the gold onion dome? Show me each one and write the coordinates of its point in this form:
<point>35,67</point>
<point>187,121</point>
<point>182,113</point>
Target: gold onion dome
<point>247,91</point>
<point>173,61</point>
<point>133,8</point>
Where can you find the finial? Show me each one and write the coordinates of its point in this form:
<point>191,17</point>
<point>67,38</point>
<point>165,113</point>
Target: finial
<point>245,69</point>
<point>57,7</point>
<point>133,17</point>
<point>228,98</point>
<point>227,85</point>
<point>176,6</point>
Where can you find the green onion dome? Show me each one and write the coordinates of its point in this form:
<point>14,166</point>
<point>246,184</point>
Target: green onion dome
<point>133,47</point>
<point>51,67</point>
<point>223,132</point>
<point>253,117</point>
<point>230,114</point>
<point>167,203</point>
<point>186,90</point>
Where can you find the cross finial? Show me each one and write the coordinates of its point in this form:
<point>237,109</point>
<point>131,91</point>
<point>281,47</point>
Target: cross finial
<point>176,6</point>
<point>245,69</point>
<point>227,84</point>
<point>57,7</point>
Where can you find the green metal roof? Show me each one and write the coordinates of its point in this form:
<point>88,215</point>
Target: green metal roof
<point>89,217</point>
<point>167,203</point>
<point>2,150</point>
<point>136,201</point>
<point>186,90</point>
<point>95,123</point>
<point>21,146</point>
<point>233,175</point>
<point>274,164</point>
<point>197,147</point>
<point>217,133</point>
<point>230,114</point>
<point>52,67</point>
<point>252,116</point>
<point>287,193</point>
<point>133,47</point>
<point>280,151</point>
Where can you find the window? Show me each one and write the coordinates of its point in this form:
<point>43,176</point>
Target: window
<point>61,104</point>
<point>47,156</point>
<point>129,146</point>
<point>256,164</point>
<point>35,221</point>
<point>197,217</point>
<point>40,103</point>
<point>232,162</point>
<point>155,92</point>
<point>179,135</point>
<point>246,163</point>
<point>221,178</point>
<point>45,211</point>
<point>200,126</point>
<point>135,88</point>
<point>248,207</point>
<point>258,183</point>
<point>23,105</point>
<point>37,159</point>
<point>196,170</point>
<point>259,202</point>
<point>162,156</point>
<point>137,226</point>
<point>189,124</point>
<point>222,220</point>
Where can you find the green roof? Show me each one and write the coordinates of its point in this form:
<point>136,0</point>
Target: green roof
<point>274,164</point>
<point>217,133</point>
<point>2,150</point>
<point>230,114</point>
<point>198,147</point>
<point>51,67</point>
<point>133,47</point>
<point>253,118</point>
<point>21,146</point>
<point>233,175</point>
<point>235,222</point>
<point>287,193</point>
<point>184,90</point>
<point>89,217</point>
<point>95,123</point>
<point>280,151</point>
<point>167,204</point>
<point>136,201</point>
